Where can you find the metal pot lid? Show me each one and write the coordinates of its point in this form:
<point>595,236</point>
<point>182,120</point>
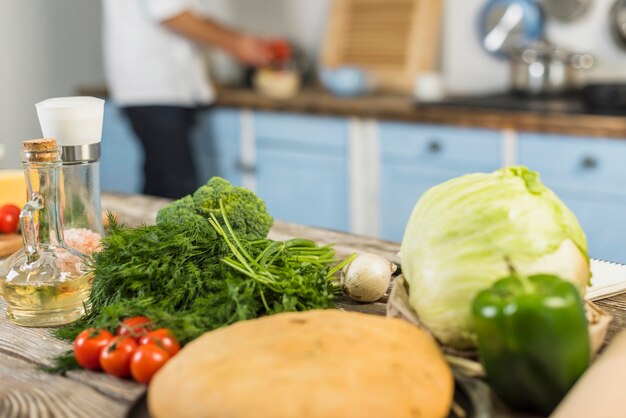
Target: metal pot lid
<point>538,51</point>
<point>544,50</point>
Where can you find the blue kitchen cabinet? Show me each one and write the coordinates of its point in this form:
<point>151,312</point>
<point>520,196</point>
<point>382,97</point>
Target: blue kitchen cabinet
<point>122,157</point>
<point>217,144</point>
<point>588,175</point>
<point>415,158</point>
<point>301,168</point>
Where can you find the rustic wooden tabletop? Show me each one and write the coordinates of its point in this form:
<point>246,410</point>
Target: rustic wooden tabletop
<point>26,391</point>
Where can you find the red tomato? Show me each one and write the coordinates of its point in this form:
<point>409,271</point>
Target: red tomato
<point>115,356</point>
<point>163,338</point>
<point>279,49</point>
<point>9,219</point>
<point>88,345</point>
<point>135,326</point>
<point>146,361</point>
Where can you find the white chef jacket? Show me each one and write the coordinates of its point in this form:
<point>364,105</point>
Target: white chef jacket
<point>148,64</point>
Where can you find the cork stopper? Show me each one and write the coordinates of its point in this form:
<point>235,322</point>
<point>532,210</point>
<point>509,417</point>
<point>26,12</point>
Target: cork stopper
<point>41,150</point>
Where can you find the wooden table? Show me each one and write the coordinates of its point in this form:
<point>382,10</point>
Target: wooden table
<point>27,392</point>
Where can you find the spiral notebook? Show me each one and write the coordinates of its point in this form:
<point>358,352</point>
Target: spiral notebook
<point>608,279</point>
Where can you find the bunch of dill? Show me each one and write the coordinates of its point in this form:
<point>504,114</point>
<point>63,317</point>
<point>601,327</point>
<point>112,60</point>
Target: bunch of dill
<point>198,275</point>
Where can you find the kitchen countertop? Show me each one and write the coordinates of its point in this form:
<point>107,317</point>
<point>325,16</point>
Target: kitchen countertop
<point>566,116</point>
<point>26,391</point>
<point>557,116</point>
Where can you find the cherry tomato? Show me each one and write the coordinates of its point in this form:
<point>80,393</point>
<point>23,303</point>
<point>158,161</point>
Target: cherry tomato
<point>146,361</point>
<point>163,338</point>
<point>88,345</point>
<point>115,356</point>
<point>135,326</point>
<point>9,219</point>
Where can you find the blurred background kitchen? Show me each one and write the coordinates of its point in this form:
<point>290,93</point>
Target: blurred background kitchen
<point>371,103</point>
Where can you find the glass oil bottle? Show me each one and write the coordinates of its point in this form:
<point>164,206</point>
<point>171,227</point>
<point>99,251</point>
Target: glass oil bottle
<point>46,283</point>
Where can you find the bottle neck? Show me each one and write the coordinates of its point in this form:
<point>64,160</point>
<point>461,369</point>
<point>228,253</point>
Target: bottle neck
<point>43,182</point>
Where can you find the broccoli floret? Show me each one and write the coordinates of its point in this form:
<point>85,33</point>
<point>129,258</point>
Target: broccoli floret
<point>246,212</point>
<point>180,211</point>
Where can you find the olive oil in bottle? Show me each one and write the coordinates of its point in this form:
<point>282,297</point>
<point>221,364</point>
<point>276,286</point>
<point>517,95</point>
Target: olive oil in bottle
<point>31,302</point>
<point>45,283</point>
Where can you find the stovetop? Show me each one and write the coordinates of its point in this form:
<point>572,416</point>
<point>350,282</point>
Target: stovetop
<point>571,103</point>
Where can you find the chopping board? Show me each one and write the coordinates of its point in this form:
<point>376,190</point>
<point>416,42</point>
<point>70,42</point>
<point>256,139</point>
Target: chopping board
<point>394,40</point>
<point>9,244</point>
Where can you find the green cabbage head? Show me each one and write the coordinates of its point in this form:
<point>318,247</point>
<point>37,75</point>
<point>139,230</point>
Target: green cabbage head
<point>462,232</point>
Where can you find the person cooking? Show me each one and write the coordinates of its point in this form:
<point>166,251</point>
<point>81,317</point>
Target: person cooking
<point>156,72</point>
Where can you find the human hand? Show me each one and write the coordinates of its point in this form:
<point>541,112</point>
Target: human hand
<point>252,51</point>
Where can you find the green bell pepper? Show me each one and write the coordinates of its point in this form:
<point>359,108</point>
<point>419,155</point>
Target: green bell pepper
<point>532,339</point>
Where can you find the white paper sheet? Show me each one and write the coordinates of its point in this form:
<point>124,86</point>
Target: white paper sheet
<point>608,279</point>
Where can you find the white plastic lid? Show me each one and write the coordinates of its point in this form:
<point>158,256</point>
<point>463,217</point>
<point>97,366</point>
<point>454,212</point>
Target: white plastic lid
<point>72,120</point>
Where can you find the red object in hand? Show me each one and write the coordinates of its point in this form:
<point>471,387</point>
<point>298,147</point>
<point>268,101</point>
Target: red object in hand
<point>280,50</point>
<point>116,355</point>
<point>163,338</point>
<point>88,345</point>
<point>9,219</point>
<point>146,361</point>
<point>135,327</point>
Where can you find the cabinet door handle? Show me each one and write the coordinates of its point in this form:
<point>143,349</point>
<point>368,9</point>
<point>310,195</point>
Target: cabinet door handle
<point>434,147</point>
<point>246,168</point>
<point>589,163</point>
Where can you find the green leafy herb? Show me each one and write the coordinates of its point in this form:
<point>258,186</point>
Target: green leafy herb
<point>62,363</point>
<point>199,273</point>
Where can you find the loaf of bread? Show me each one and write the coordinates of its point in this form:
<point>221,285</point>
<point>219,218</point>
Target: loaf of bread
<point>316,364</point>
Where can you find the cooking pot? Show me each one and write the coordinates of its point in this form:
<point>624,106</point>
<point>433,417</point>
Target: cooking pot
<point>541,68</point>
